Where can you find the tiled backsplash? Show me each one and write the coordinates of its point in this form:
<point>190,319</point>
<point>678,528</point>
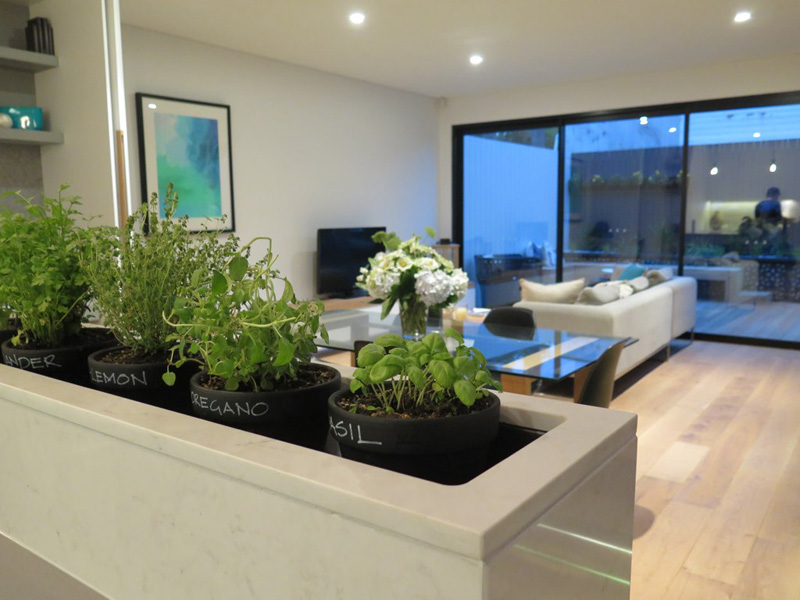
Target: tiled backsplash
<point>20,169</point>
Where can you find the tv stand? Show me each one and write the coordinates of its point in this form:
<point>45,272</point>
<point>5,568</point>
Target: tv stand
<point>347,303</point>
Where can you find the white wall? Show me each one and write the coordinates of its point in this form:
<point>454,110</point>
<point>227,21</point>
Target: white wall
<point>75,96</point>
<point>777,74</point>
<point>310,149</point>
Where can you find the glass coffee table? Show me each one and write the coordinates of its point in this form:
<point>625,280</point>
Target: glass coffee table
<point>519,356</point>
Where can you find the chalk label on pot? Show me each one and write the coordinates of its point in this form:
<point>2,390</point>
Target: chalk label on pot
<point>340,430</point>
<point>120,379</point>
<point>256,409</point>
<point>32,364</point>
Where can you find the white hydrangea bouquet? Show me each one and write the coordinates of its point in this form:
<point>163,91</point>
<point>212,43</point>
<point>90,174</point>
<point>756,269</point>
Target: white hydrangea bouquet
<point>415,275</point>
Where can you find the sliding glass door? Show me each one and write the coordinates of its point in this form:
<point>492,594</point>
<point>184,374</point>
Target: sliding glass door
<point>743,221</point>
<point>623,181</point>
<point>711,189</point>
<point>510,202</point>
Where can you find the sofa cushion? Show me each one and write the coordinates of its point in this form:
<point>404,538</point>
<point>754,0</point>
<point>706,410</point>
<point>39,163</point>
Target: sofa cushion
<point>602,294</point>
<point>656,276</point>
<point>625,288</point>
<point>565,292</point>
<point>631,272</point>
<point>639,284</point>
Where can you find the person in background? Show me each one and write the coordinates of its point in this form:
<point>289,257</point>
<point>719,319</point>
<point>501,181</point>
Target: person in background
<point>768,211</point>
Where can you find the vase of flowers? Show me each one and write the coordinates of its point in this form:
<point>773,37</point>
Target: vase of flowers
<point>416,276</point>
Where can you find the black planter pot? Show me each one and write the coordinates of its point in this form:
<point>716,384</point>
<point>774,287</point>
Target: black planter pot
<point>11,326</point>
<point>297,416</point>
<point>141,381</point>
<point>450,450</point>
<point>67,363</point>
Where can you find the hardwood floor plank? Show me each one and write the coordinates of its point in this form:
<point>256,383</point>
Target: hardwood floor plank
<point>722,552</point>
<point>782,523</point>
<point>687,586</point>
<point>678,462</point>
<point>712,422</point>
<point>772,572</point>
<point>731,530</point>
<point>659,554</point>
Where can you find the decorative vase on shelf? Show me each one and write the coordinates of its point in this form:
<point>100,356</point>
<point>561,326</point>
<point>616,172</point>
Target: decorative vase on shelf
<point>413,317</point>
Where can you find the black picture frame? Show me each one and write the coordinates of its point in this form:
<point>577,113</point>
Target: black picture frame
<point>188,143</point>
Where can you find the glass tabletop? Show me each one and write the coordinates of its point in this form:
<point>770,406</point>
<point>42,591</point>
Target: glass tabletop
<point>546,354</point>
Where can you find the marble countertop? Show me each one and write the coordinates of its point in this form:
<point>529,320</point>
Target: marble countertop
<point>473,519</point>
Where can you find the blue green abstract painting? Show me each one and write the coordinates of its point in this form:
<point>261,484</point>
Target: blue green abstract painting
<point>187,155</point>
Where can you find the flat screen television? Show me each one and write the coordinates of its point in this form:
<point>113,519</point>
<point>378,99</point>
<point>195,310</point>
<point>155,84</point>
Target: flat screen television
<point>340,255</point>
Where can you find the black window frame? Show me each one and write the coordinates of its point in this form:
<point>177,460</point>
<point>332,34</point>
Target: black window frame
<point>561,121</point>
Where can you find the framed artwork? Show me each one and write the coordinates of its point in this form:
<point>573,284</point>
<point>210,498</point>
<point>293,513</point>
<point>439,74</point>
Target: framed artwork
<point>188,144</point>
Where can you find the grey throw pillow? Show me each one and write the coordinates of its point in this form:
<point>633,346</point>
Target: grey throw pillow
<point>599,295</point>
<point>639,283</point>
<point>656,276</point>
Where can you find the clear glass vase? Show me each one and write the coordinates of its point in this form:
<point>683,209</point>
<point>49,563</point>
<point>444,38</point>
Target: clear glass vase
<point>413,317</point>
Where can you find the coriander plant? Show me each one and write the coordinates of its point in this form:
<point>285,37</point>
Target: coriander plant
<point>397,374</point>
<point>236,325</point>
<point>137,273</point>
<point>41,278</point>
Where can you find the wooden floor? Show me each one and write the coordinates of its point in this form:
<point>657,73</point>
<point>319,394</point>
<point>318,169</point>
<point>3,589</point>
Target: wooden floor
<point>718,475</point>
<point>767,320</point>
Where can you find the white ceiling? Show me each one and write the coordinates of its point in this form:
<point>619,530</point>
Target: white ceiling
<point>423,46</point>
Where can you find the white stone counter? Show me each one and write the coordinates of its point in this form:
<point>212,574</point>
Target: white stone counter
<point>139,502</point>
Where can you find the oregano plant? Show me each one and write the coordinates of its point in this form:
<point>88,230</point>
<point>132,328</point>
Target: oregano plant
<point>137,272</point>
<point>241,328</point>
<point>41,277</point>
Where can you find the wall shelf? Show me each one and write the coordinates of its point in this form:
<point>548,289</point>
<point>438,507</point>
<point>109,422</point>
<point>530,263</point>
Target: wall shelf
<point>23,60</point>
<point>30,137</point>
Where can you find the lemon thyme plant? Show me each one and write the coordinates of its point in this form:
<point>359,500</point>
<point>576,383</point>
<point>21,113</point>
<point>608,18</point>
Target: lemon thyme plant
<point>137,273</point>
<point>236,325</point>
<point>398,375</point>
<point>41,278</point>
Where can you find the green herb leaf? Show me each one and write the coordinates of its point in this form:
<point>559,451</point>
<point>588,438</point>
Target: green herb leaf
<point>452,333</point>
<point>443,373</point>
<point>416,376</point>
<point>390,340</point>
<point>169,378</point>
<point>463,365</point>
<point>219,284</point>
<point>285,352</point>
<point>465,392</point>
<point>238,268</point>
<point>369,355</point>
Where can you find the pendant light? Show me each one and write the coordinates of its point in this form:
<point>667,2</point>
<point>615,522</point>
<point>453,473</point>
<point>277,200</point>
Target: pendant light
<point>714,169</point>
<point>773,165</point>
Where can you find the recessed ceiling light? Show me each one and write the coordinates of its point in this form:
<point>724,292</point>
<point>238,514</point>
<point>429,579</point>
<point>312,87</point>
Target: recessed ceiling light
<point>642,120</point>
<point>476,59</point>
<point>756,135</point>
<point>357,18</point>
<point>151,105</point>
<point>673,129</point>
<point>742,16</point>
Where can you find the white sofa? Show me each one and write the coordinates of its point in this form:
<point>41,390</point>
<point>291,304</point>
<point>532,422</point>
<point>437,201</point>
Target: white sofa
<point>653,316</point>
